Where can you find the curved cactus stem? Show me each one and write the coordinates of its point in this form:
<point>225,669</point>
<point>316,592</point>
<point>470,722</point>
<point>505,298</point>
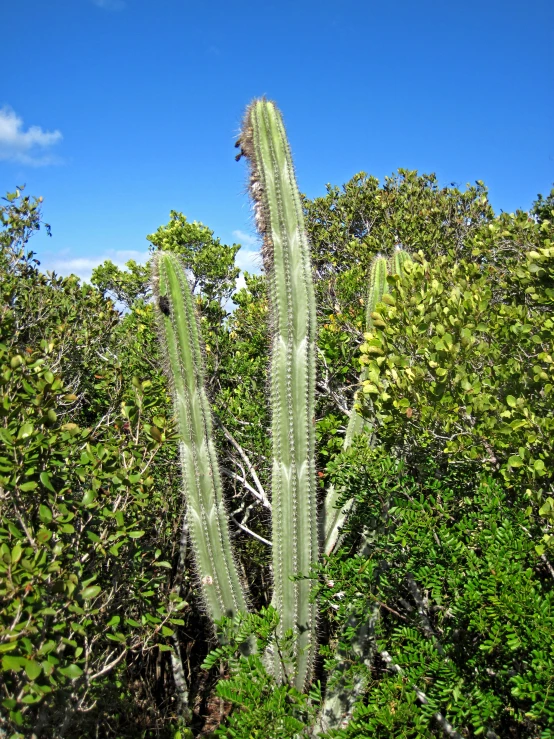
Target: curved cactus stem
<point>334,518</point>
<point>217,572</point>
<point>354,658</point>
<point>347,688</point>
<point>279,218</point>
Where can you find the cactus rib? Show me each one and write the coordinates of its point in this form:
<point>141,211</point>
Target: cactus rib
<point>279,218</point>
<point>205,509</point>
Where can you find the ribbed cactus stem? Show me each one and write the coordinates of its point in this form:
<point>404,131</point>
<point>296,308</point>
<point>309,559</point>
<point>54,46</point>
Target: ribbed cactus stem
<point>335,518</point>
<point>279,217</point>
<point>205,510</point>
<point>378,286</point>
<point>399,259</point>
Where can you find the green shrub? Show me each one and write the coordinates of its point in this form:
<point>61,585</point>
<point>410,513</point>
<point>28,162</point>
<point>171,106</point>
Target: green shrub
<point>466,604</point>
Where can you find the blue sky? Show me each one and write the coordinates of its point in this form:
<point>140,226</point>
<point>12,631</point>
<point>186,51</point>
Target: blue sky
<point>116,111</point>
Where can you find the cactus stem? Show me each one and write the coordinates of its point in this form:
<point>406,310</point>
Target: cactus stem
<point>279,218</point>
<point>206,517</point>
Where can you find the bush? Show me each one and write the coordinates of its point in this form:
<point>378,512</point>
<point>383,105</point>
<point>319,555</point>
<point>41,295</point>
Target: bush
<point>466,627</point>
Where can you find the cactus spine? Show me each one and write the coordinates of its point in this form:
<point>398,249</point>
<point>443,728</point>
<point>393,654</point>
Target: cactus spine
<point>205,510</point>
<point>279,218</point>
<point>335,517</point>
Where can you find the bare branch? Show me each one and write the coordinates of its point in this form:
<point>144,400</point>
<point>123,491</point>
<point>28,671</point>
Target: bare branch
<point>261,494</point>
<point>109,666</point>
<point>251,533</point>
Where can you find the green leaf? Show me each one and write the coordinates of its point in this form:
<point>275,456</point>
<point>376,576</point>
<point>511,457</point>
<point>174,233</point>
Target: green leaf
<point>538,466</point>
<point>8,646</point>
<point>25,431</point>
<point>515,461</point>
<point>89,497</point>
<point>16,553</point>
<point>91,592</point>
<point>156,434</point>
<point>28,487</point>
<point>511,401</point>
<point>9,662</point>
<point>43,536</point>
<point>45,514</point>
<point>29,699</point>
<point>72,671</point>
<point>45,480</point>
<point>135,534</point>
<point>32,668</point>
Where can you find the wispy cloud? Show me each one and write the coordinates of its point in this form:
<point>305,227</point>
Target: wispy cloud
<point>248,257</point>
<point>246,239</point>
<point>25,146</point>
<point>83,266</point>
<point>110,4</point>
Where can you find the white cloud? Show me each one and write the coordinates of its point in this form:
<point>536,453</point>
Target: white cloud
<point>248,257</point>
<point>110,4</point>
<point>246,239</point>
<point>26,147</point>
<point>249,260</point>
<point>83,266</point>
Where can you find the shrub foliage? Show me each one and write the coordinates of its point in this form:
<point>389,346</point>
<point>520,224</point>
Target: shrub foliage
<point>450,544</point>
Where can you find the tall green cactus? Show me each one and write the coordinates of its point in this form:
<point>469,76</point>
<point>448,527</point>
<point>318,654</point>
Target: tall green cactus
<point>206,518</point>
<point>279,218</point>
<point>334,518</point>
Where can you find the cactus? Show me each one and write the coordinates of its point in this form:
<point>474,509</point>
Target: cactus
<point>334,518</point>
<point>206,517</point>
<point>398,260</point>
<point>279,218</point>
<point>354,660</point>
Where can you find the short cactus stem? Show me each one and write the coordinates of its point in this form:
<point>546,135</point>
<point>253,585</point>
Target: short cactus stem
<point>398,260</point>
<point>279,217</point>
<point>207,525</point>
<point>378,286</point>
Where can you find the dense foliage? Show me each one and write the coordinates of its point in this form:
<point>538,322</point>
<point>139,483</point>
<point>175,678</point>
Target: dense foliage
<point>101,629</point>
<point>467,620</point>
<point>88,531</point>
